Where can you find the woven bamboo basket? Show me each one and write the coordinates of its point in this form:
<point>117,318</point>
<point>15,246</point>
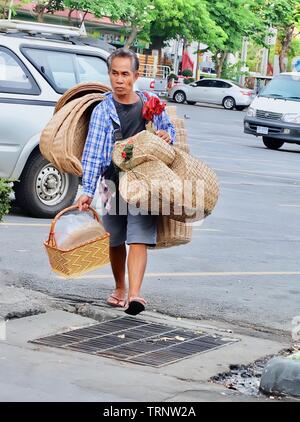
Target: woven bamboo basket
<point>152,185</point>
<point>62,140</point>
<point>201,187</point>
<point>79,91</point>
<point>146,147</point>
<point>171,111</point>
<point>177,122</point>
<point>172,233</point>
<point>181,140</point>
<point>86,257</point>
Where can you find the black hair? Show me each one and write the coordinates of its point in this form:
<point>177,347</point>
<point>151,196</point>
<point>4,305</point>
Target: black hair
<point>124,52</point>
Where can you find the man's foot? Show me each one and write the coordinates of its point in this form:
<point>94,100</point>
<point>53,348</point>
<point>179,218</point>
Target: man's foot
<point>117,299</point>
<point>135,305</point>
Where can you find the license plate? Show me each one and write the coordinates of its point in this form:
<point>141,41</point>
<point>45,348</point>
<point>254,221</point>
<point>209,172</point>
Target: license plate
<point>263,130</point>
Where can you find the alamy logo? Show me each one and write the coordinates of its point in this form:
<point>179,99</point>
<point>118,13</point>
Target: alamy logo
<point>2,330</point>
<point>296,328</point>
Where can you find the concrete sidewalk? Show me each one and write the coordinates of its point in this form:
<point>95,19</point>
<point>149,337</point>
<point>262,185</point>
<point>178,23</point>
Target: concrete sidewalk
<point>31,372</point>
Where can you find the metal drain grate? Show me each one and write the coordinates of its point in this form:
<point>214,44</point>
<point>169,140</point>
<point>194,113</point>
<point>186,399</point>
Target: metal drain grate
<point>137,341</point>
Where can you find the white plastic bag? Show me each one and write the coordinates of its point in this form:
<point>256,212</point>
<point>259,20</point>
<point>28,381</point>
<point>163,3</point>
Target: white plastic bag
<point>74,229</point>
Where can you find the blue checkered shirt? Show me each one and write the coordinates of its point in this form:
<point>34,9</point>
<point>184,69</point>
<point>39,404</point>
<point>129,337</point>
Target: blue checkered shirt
<point>99,143</point>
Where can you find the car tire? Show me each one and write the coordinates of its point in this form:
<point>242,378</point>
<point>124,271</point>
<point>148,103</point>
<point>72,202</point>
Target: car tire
<point>191,102</point>
<point>228,103</point>
<point>240,108</point>
<point>179,97</point>
<point>272,143</point>
<point>43,190</point>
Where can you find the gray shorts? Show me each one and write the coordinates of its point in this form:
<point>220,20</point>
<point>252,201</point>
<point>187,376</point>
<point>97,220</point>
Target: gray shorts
<point>131,229</point>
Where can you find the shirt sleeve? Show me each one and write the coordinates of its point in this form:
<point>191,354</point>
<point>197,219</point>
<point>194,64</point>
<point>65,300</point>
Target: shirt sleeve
<point>93,158</point>
<point>163,122</point>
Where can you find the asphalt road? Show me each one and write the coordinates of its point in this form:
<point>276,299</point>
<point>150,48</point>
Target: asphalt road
<point>242,265</point>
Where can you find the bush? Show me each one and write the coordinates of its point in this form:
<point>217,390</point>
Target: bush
<point>187,73</point>
<point>173,76</point>
<point>5,191</point>
<point>188,80</point>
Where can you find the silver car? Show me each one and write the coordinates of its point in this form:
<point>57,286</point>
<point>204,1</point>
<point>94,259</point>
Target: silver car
<point>214,91</point>
<point>34,72</point>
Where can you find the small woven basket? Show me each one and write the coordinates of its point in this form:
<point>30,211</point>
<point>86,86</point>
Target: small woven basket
<point>172,233</point>
<point>83,258</point>
<point>145,147</point>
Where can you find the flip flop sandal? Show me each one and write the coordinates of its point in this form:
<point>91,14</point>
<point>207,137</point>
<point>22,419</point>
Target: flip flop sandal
<point>114,301</point>
<point>135,306</point>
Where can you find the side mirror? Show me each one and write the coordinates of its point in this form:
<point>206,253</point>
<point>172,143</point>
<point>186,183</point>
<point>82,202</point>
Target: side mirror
<point>193,84</point>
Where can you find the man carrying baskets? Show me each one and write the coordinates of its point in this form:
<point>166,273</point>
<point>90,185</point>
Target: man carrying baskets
<point>119,116</point>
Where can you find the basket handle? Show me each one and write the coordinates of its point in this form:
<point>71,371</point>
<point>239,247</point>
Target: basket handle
<point>51,238</point>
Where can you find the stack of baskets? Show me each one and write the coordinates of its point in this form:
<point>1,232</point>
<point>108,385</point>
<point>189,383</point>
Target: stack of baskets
<point>62,141</point>
<point>167,181</point>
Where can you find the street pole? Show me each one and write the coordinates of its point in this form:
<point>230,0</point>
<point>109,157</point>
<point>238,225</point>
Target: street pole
<point>244,58</point>
<point>10,9</point>
<point>264,62</point>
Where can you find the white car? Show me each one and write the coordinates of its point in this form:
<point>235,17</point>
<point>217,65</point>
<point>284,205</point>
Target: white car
<point>274,114</point>
<point>227,93</point>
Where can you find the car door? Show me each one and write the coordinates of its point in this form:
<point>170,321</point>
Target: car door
<point>219,91</point>
<point>19,100</point>
<point>201,91</point>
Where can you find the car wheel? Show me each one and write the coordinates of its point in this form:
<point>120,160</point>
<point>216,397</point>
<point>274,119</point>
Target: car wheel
<point>240,108</point>
<point>272,143</point>
<point>179,97</point>
<point>44,190</point>
<point>191,102</point>
<point>228,103</point>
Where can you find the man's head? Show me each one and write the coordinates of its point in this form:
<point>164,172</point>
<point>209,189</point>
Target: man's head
<point>123,66</point>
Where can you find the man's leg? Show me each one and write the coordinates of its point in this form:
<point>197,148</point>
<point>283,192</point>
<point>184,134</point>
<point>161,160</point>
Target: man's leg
<point>117,256</point>
<point>116,226</point>
<point>137,261</point>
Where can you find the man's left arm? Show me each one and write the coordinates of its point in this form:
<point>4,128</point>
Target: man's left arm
<point>162,122</point>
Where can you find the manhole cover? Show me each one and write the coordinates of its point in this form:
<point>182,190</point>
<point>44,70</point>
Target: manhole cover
<point>135,340</point>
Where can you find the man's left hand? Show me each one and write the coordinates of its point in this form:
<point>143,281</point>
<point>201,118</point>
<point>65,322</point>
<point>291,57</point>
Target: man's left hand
<point>163,135</point>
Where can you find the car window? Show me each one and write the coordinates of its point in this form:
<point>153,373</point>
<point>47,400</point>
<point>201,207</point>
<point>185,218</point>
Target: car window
<point>205,83</point>
<point>14,77</point>
<point>221,84</point>
<point>58,67</point>
<point>92,69</point>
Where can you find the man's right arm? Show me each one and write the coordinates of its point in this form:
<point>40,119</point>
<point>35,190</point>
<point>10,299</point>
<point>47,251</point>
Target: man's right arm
<point>93,156</point>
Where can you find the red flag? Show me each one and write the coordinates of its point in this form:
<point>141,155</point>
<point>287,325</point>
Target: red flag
<point>187,62</point>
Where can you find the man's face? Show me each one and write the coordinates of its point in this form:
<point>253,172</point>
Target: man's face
<point>122,78</point>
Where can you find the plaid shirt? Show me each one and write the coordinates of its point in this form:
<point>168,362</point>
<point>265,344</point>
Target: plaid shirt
<point>99,144</point>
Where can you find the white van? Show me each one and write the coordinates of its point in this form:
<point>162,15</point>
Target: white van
<point>274,114</point>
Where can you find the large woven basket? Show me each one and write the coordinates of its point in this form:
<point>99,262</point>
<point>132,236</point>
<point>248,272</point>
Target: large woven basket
<point>81,259</point>
<point>172,233</point>
<point>201,186</point>
<point>62,140</point>
<point>146,147</point>
<point>181,140</point>
<point>152,186</point>
<point>80,90</point>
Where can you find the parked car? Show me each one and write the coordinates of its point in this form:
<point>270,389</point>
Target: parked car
<point>38,63</point>
<point>274,114</point>
<point>213,91</point>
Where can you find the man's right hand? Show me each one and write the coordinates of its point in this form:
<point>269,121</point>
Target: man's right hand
<point>84,202</point>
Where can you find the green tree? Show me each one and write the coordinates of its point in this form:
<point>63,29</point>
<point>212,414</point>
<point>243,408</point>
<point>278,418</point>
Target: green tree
<point>238,19</point>
<point>284,15</point>
<point>47,6</point>
<point>187,19</point>
<point>98,8</point>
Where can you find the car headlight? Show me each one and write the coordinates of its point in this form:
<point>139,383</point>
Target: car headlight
<point>251,112</point>
<point>291,118</point>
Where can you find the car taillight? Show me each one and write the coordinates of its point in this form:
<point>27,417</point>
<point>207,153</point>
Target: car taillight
<point>248,93</point>
<point>152,83</point>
